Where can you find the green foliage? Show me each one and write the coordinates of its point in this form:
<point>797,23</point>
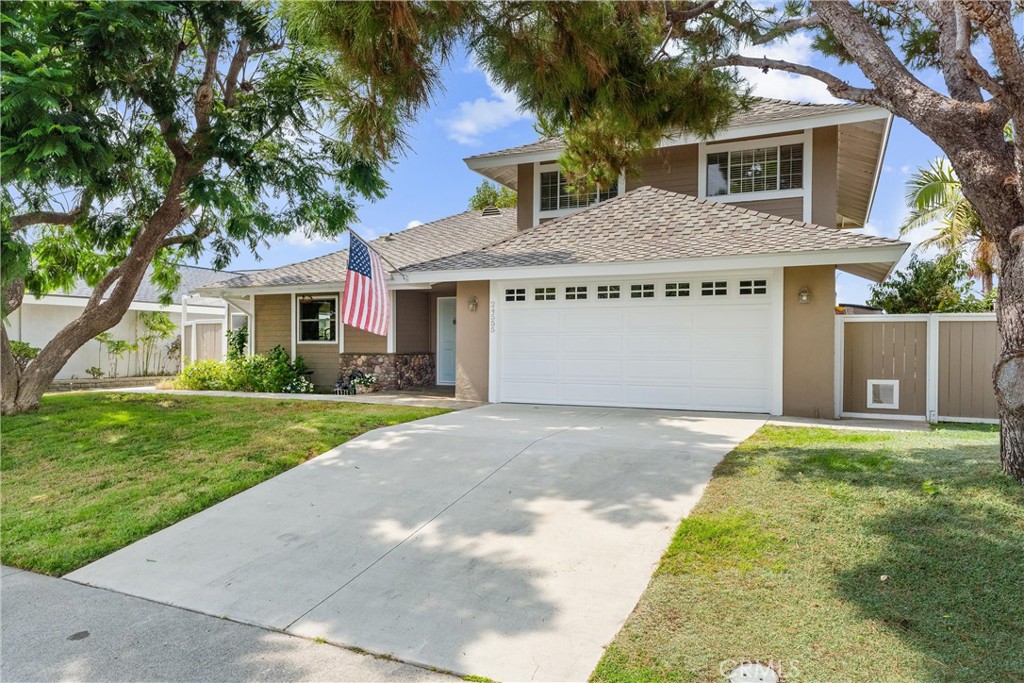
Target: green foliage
<point>272,373</point>
<point>23,352</point>
<point>94,372</point>
<point>105,108</point>
<point>157,327</point>
<point>489,194</point>
<point>938,286</point>
<point>238,342</point>
<point>935,197</point>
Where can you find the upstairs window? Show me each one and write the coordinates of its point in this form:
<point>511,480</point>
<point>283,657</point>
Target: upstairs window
<point>318,318</point>
<point>761,169</point>
<point>555,194</point>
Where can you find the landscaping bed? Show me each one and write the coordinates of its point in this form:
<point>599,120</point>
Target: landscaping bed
<point>90,473</point>
<point>841,556</point>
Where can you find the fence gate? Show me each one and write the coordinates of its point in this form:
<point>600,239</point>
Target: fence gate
<point>935,367</point>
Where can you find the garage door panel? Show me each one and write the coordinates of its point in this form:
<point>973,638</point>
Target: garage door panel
<point>667,320</point>
<point>656,345</point>
<point>742,344</point>
<point>579,368</point>
<point>589,346</point>
<point>532,368</point>
<point>532,346</point>
<point>532,320</point>
<point>590,320</point>
<point>729,372</point>
<point>732,317</point>
<point>655,396</point>
<point>666,369</point>
<point>659,353</point>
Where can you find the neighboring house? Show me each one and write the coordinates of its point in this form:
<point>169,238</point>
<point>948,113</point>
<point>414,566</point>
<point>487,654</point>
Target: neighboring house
<point>37,321</point>
<point>705,282</point>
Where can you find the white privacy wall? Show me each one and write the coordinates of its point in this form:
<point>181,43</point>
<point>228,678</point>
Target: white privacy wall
<point>37,324</point>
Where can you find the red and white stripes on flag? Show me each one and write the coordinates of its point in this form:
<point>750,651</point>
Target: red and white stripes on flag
<point>367,305</point>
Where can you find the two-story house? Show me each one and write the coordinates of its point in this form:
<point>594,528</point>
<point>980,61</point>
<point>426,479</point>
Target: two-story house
<point>705,280</point>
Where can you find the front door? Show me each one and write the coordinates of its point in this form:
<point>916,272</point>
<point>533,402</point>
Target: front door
<point>446,340</point>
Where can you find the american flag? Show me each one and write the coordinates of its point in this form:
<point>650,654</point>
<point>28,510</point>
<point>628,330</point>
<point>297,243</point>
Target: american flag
<point>366,305</point>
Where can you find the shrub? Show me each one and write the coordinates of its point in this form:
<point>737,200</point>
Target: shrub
<point>23,353</point>
<point>203,375</point>
<point>272,373</point>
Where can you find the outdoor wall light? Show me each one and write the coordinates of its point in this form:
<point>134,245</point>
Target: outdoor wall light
<point>805,295</point>
<point>472,303</point>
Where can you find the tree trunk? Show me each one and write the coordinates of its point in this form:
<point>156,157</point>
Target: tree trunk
<point>1008,373</point>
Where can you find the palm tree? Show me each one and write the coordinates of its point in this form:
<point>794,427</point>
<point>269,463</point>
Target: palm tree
<point>935,196</point>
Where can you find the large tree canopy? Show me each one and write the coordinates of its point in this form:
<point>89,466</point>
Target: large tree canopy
<point>138,133</point>
<point>613,78</point>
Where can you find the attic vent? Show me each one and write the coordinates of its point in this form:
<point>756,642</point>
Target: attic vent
<point>491,211</point>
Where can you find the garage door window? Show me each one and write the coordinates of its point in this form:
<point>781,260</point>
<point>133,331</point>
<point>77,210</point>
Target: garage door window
<point>753,287</point>
<point>607,291</point>
<point>675,290</point>
<point>544,294</point>
<point>715,288</point>
<point>515,295</point>
<point>641,291</point>
<point>575,293</point>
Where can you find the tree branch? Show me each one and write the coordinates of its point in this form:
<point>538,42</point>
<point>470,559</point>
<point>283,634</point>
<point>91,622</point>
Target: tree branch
<point>954,50</point>
<point>787,27</point>
<point>237,62</point>
<point>30,218</point>
<point>996,22</point>
<point>836,86</point>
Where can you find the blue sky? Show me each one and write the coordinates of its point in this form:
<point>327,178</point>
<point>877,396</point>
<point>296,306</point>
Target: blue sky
<point>472,116</point>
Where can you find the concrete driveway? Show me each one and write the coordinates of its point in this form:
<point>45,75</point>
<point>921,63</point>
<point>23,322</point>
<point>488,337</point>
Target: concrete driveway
<point>506,541</point>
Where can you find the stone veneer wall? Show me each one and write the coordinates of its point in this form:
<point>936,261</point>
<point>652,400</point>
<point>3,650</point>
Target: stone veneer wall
<point>392,370</point>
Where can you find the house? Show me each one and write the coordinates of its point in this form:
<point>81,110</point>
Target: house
<point>704,281</point>
<point>39,319</point>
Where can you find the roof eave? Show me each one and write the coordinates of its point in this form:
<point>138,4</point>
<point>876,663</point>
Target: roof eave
<point>887,255</point>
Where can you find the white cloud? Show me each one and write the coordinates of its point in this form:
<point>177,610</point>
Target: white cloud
<point>782,85</point>
<point>413,224</point>
<point>483,115</point>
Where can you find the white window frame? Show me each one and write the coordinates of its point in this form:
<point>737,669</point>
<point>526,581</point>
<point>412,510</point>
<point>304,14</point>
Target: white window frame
<point>806,138</point>
<point>547,167</point>
<point>895,384</point>
<point>298,317</point>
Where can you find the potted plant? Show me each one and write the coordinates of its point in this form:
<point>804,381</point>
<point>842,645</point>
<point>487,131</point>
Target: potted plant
<point>367,384</point>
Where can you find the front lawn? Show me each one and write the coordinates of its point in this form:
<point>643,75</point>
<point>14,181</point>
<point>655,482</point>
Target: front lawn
<point>91,473</point>
<point>841,556</point>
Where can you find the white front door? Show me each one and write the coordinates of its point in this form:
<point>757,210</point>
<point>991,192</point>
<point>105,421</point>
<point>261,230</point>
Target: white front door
<point>697,342</point>
<point>446,340</point>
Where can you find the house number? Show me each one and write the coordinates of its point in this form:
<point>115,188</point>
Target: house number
<point>494,316</point>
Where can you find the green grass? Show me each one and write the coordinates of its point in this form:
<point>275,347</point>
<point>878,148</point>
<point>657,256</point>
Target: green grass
<point>90,473</point>
<point>783,561</point>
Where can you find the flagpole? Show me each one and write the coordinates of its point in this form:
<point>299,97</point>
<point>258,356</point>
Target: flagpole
<point>382,257</point>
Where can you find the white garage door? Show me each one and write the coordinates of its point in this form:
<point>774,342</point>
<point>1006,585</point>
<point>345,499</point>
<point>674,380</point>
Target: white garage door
<point>694,343</point>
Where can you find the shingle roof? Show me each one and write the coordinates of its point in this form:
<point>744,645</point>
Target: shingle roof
<point>192,277</point>
<point>762,110</point>
<point>444,237</point>
<point>649,224</point>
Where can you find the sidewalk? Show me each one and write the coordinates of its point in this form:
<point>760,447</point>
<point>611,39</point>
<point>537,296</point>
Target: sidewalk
<point>56,630</point>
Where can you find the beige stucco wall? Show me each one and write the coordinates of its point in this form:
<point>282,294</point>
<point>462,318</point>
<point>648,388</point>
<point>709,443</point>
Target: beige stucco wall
<point>360,341</point>
<point>471,341</point>
<point>272,325</point>
<point>808,379</point>
<point>824,197</point>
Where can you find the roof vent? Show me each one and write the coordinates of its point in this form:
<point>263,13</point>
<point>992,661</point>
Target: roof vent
<point>491,211</point>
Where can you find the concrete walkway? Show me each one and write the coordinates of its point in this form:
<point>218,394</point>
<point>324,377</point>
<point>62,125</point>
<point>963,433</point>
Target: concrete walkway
<point>56,630</point>
<point>420,399</point>
<point>506,541</point>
